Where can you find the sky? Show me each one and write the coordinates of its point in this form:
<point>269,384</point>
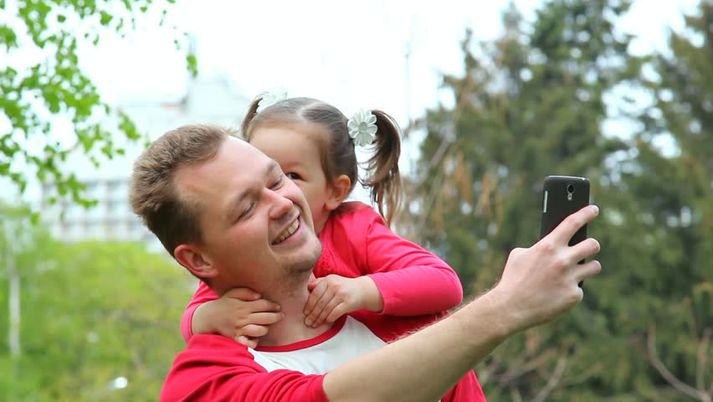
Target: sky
<point>365,54</point>
<point>369,54</point>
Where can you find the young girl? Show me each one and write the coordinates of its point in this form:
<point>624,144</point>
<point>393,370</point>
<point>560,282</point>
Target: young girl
<point>363,265</point>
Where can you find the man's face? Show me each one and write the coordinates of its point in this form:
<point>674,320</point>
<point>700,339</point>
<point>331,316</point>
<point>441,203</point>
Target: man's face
<point>256,225</point>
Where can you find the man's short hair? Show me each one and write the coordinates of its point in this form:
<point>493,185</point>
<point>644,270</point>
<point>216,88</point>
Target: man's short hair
<point>171,216</point>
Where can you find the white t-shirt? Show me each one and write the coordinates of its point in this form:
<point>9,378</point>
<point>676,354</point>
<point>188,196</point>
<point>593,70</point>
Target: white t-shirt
<point>323,353</point>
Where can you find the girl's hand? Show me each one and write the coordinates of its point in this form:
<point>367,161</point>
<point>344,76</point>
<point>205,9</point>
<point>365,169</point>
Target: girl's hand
<point>239,314</point>
<point>333,296</point>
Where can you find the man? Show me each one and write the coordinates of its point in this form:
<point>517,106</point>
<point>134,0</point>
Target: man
<point>227,213</point>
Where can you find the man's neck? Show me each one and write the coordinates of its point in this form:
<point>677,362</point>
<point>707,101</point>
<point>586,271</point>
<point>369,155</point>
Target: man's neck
<point>291,328</point>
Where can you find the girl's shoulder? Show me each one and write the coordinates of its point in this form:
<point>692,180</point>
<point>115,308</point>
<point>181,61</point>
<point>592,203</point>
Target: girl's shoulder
<point>351,219</point>
<point>344,239</point>
<point>352,210</point>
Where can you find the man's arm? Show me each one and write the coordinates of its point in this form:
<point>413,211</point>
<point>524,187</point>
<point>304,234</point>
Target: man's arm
<point>538,284</point>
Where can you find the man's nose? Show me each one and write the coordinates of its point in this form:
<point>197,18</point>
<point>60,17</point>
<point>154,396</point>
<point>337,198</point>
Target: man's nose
<point>279,204</point>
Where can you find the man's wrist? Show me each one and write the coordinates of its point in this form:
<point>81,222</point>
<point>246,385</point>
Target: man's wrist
<point>491,316</point>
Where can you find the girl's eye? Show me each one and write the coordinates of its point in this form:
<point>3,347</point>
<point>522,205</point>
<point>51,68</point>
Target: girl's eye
<point>293,176</point>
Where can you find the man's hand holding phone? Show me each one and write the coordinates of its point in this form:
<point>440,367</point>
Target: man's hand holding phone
<point>540,282</point>
<point>561,197</point>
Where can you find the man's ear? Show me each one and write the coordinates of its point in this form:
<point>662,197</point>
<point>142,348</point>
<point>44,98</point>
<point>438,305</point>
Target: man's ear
<point>338,191</point>
<point>191,257</point>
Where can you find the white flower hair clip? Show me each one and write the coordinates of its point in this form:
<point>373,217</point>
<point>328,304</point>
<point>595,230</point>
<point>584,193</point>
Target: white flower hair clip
<point>269,98</point>
<point>362,127</point>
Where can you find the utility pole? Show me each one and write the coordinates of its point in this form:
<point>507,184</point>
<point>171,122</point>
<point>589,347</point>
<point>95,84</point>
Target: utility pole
<point>13,275</point>
<point>408,49</point>
<point>8,245</point>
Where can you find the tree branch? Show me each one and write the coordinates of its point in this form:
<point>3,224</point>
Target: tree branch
<point>702,360</point>
<point>668,375</point>
<point>554,379</point>
<point>518,370</point>
<point>515,394</point>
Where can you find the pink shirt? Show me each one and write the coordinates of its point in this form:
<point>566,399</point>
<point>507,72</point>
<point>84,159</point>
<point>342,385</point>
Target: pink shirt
<point>355,242</point>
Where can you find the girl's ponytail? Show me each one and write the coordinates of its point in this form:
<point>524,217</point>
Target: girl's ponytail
<point>249,116</point>
<point>383,167</point>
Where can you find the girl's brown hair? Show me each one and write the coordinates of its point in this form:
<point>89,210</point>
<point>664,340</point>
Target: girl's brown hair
<point>337,151</point>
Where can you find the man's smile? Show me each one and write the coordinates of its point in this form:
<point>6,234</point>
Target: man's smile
<point>289,231</point>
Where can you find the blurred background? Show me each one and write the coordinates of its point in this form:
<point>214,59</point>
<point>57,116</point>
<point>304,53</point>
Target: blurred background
<point>492,97</point>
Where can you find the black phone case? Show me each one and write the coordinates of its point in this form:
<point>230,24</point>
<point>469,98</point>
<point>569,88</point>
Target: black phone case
<point>563,196</point>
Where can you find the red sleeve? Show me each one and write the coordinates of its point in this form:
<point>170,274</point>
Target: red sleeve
<point>412,280</point>
<point>215,368</point>
<point>202,295</point>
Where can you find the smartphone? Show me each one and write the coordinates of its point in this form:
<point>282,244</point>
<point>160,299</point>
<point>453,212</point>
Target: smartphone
<point>563,196</point>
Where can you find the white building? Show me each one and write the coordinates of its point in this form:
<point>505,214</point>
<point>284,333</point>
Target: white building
<point>110,219</point>
<point>206,101</point>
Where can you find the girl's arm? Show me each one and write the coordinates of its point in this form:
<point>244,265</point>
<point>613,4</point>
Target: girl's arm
<point>372,268</point>
<point>411,280</point>
<point>202,294</point>
<point>239,314</point>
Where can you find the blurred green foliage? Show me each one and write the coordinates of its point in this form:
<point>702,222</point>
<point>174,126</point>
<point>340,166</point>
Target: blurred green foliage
<point>535,103</point>
<point>98,322</point>
<point>54,88</point>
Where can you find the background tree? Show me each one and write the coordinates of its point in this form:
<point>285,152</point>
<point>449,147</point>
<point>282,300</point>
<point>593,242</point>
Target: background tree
<point>669,304</point>
<point>16,239</point>
<point>51,87</point>
<point>99,321</point>
<point>530,105</point>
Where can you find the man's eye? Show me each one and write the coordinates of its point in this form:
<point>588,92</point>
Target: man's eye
<point>277,183</point>
<point>293,176</point>
<point>246,211</point>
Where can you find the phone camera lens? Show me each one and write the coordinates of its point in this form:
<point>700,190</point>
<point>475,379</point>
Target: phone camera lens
<point>570,192</point>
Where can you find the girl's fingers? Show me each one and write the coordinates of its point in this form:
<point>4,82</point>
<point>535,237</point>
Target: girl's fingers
<point>254,331</point>
<point>245,294</point>
<point>263,305</point>
<point>314,296</point>
<point>337,312</point>
<point>264,318</point>
<point>251,343</point>
<point>324,312</point>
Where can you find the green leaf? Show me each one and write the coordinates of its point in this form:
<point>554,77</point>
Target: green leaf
<point>127,126</point>
<point>192,64</point>
<point>105,17</point>
<point>7,37</point>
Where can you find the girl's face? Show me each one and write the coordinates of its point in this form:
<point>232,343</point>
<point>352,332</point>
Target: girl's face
<point>295,148</point>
